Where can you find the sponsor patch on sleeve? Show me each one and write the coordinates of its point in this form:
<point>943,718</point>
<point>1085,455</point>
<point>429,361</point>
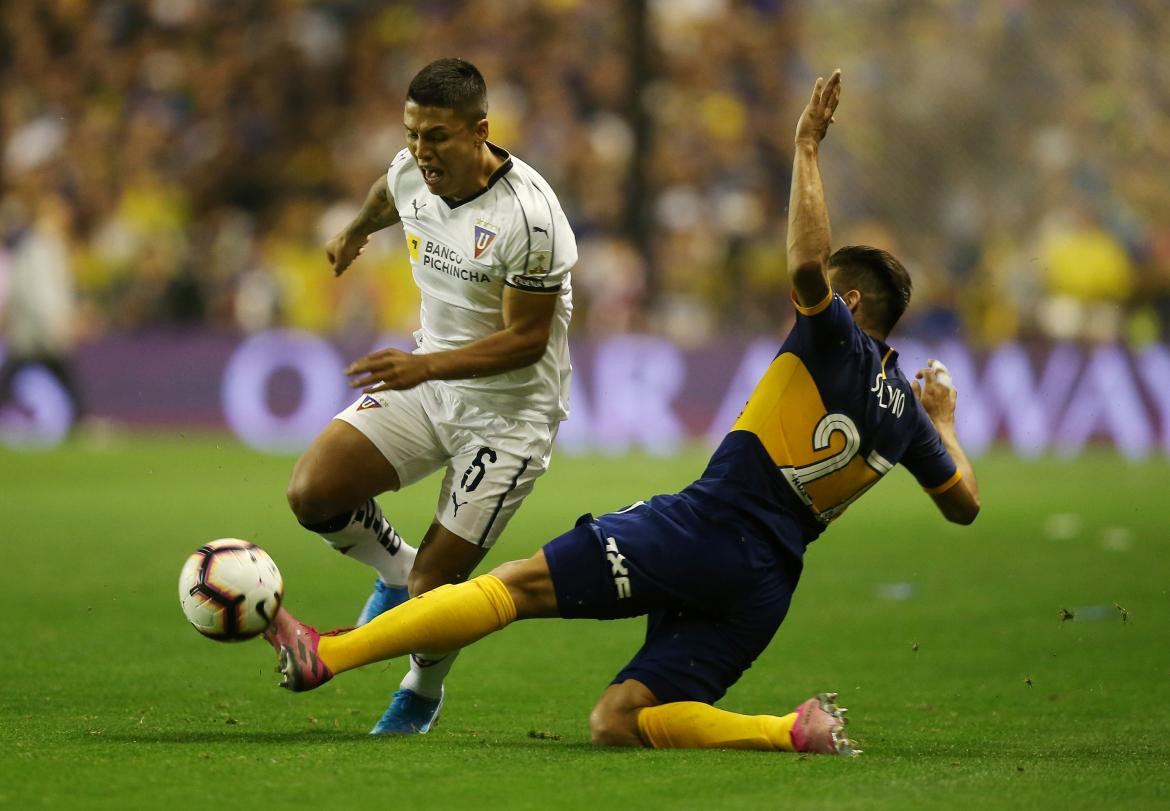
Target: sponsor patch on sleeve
<point>530,282</point>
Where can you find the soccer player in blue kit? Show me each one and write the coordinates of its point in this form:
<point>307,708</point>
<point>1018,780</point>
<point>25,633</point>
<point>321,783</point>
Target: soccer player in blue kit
<point>714,567</point>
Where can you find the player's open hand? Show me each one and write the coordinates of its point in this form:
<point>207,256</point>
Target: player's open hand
<point>343,249</point>
<point>388,369</point>
<point>814,121</point>
<point>936,393</point>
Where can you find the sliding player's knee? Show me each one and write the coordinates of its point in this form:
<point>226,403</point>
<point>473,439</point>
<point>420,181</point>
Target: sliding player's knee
<point>613,726</point>
<point>614,720</point>
<point>530,586</point>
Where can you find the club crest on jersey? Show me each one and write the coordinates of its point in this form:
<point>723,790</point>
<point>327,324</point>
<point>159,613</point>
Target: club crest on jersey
<point>484,237</point>
<point>539,262</point>
<point>368,402</point>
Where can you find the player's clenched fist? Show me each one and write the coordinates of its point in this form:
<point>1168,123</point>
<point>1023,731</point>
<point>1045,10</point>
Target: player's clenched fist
<point>818,114</point>
<point>343,249</point>
<point>936,393</point>
<point>388,369</point>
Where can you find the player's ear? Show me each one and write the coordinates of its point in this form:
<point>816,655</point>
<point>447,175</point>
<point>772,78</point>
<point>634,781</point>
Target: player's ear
<point>480,128</point>
<point>852,299</point>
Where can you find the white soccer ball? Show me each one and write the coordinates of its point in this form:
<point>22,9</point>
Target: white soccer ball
<point>230,589</point>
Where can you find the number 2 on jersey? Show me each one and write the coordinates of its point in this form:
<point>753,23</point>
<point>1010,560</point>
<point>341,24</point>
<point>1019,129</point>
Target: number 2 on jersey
<point>825,493</point>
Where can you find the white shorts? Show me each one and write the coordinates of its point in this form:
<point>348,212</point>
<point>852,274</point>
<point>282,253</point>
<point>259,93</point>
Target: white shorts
<point>492,462</point>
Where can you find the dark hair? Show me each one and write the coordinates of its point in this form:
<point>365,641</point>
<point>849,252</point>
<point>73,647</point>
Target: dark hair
<point>884,284</point>
<point>452,83</point>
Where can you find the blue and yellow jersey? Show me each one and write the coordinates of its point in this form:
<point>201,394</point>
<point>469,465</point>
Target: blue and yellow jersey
<point>832,415</point>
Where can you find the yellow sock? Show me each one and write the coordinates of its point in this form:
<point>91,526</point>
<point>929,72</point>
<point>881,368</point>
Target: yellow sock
<point>445,619</point>
<point>692,725</point>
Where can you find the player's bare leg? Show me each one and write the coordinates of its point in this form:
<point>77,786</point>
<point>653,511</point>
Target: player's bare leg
<point>331,492</point>
<point>443,558</point>
<point>340,469</point>
<point>530,586</point>
<point>614,719</point>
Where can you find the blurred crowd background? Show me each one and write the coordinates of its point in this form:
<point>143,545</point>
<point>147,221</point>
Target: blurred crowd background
<point>174,163</point>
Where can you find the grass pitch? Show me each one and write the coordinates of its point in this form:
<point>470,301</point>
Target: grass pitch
<point>1022,662</point>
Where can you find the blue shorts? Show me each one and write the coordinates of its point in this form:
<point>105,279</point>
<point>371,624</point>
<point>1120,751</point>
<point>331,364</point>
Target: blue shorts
<point>713,594</point>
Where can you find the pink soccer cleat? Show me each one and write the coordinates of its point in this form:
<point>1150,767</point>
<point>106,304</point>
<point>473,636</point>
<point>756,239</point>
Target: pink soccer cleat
<point>296,645</point>
<point>820,727</point>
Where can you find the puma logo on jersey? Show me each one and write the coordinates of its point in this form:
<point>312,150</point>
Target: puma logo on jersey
<point>417,207</point>
<point>457,504</point>
<point>540,230</point>
<point>617,565</point>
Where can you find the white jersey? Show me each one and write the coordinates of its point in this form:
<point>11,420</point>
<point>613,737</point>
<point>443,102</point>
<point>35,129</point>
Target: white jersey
<point>463,253</point>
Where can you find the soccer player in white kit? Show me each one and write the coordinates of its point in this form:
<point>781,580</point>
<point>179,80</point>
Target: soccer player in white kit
<point>481,396</point>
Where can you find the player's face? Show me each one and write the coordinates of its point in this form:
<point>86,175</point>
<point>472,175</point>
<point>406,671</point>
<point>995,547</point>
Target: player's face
<point>446,148</point>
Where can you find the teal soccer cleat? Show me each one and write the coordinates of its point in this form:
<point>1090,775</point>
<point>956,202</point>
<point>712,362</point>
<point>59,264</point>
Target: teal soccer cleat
<point>409,714</point>
<point>382,599</point>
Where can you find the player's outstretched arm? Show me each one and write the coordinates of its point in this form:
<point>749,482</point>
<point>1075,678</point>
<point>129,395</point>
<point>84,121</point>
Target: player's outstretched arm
<point>959,503</point>
<point>808,218</point>
<point>377,212</point>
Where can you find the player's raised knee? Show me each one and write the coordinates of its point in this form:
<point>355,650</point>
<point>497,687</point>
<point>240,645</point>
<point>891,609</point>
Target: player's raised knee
<point>299,499</point>
<point>310,498</point>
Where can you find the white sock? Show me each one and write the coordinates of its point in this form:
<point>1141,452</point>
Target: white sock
<point>366,535</point>
<point>427,678</point>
